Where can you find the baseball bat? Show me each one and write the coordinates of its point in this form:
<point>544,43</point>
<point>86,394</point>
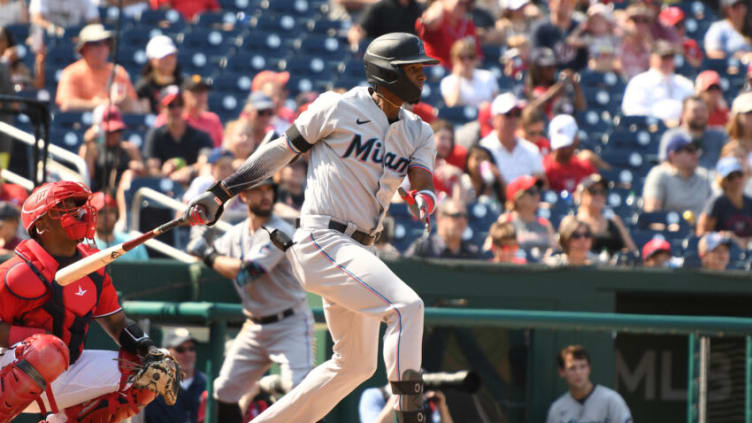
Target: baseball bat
<point>96,261</point>
<point>414,207</point>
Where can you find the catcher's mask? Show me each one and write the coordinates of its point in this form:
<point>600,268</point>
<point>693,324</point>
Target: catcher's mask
<point>77,220</point>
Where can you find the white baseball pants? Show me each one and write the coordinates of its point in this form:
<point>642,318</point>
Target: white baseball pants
<point>359,293</point>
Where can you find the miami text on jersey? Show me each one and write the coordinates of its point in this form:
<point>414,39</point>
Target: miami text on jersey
<point>363,151</point>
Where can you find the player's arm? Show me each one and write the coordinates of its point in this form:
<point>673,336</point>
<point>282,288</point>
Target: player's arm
<point>127,333</point>
<point>216,257</point>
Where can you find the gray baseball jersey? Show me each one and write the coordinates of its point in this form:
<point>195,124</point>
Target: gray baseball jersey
<point>353,176</point>
<point>274,291</point>
<point>603,405</point>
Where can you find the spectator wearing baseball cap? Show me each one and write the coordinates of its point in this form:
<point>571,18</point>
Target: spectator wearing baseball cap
<point>182,345</point>
<point>544,90</point>
<point>535,234</point>
<point>677,184</point>
<point>258,114</point>
<point>172,150</point>
<point>725,38</point>
<point>714,250</point>
<point>658,92</point>
<point>514,156</point>
<point>84,84</point>
<point>9,220</point>
<point>160,71</point>
<point>106,235</point>
<point>731,210</point>
<point>656,253</point>
<point>273,84</point>
<point>195,92</point>
<point>107,155</point>
<point>673,17</point>
<point>564,170</point>
<point>708,86</point>
<point>634,53</point>
<point>609,232</point>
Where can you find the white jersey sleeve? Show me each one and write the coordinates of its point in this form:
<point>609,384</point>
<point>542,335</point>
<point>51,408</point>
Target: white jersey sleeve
<point>424,156</point>
<point>320,120</point>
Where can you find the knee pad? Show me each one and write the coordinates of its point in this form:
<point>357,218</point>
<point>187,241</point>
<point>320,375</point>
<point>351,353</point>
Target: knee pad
<point>40,359</point>
<point>410,390</point>
<point>111,408</point>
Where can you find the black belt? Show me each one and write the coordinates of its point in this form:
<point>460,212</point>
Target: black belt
<point>360,236</point>
<point>274,318</point>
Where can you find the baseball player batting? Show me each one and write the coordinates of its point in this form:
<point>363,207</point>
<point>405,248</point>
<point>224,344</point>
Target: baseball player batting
<point>43,325</point>
<point>362,144</point>
<point>280,324</point>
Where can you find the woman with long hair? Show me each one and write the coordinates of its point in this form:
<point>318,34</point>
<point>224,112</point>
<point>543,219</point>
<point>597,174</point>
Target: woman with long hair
<point>576,241</point>
<point>161,70</point>
<point>739,129</point>
<point>555,96</point>
<point>729,212</point>
<point>481,179</point>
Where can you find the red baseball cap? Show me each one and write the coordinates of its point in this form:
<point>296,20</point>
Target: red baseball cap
<point>707,79</point>
<point>671,16</point>
<point>653,246</point>
<point>109,118</point>
<point>169,94</point>
<point>520,184</point>
<point>263,77</point>
<point>101,200</point>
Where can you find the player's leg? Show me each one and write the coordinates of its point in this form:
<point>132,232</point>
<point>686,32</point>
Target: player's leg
<point>27,371</point>
<point>355,348</point>
<point>245,363</point>
<point>291,346</point>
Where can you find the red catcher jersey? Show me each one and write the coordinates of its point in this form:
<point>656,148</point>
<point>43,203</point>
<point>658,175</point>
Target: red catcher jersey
<point>27,296</point>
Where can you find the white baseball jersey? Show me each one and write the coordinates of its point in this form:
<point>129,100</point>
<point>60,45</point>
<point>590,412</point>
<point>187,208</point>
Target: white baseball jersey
<point>603,405</point>
<point>277,289</point>
<point>359,158</point>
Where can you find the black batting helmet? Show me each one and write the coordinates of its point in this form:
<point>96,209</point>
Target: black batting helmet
<point>383,58</point>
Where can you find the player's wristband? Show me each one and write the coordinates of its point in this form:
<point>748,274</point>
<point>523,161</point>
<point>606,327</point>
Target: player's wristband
<point>17,334</point>
<point>134,340</point>
<point>219,189</point>
<point>210,258</point>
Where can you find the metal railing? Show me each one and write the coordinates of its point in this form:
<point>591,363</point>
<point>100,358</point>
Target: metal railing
<point>217,315</point>
<point>56,151</point>
<point>17,179</point>
<point>165,200</point>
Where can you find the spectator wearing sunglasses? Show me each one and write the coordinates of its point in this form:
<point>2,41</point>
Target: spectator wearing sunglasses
<point>564,170</point>
<point>182,346</point>
<point>467,85</point>
<point>534,233</point>
<point>576,242</point>
<point>196,112</point>
<point>84,83</point>
<point>677,184</point>
<point>446,242</point>
<point>673,17</point>
<point>513,155</point>
<point>729,212</point>
<point>504,244</point>
<point>609,232</point>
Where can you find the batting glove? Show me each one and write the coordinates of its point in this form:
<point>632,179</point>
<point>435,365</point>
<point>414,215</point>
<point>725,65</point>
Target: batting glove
<point>207,208</point>
<point>421,204</point>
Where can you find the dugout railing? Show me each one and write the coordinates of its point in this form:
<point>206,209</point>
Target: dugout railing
<point>698,329</point>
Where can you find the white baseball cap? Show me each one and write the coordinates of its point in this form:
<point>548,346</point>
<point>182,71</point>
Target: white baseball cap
<point>159,47</point>
<point>562,131</point>
<point>503,103</point>
<point>513,4</point>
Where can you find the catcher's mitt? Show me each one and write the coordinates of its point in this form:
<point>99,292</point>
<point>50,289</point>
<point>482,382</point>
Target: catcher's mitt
<point>159,373</point>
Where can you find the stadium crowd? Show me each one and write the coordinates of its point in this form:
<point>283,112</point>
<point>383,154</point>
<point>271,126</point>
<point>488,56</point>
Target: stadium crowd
<point>568,132</point>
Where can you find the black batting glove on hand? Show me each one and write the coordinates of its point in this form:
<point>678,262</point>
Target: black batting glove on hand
<point>207,208</point>
<point>200,248</point>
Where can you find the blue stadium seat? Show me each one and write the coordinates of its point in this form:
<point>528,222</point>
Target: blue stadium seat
<point>69,120</point>
<point>19,31</point>
<point>207,40</point>
<point>232,82</point>
<point>352,67</point>
<point>250,63</point>
<point>324,26</point>
<point>267,43</point>
<point>609,80</point>
<point>635,123</point>
<point>196,61</point>
<point>459,114</point>
<point>623,158</point>
<point>67,138</point>
<point>481,215</point>
<point>328,48</point>
<point>670,223</point>
<point>284,26</point>
<point>226,105</point>
<point>215,20</point>
<point>641,141</point>
<point>152,213</point>
<point>247,6</point>
<point>435,74</point>
<point>406,231</point>
<point>291,7</point>
<point>305,66</point>
<point>169,20</point>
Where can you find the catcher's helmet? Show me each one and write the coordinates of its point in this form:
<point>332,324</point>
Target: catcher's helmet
<point>79,222</point>
<point>383,58</point>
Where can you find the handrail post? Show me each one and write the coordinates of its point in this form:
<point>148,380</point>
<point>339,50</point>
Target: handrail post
<point>692,373</point>
<point>217,329</point>
<point>748,380</point>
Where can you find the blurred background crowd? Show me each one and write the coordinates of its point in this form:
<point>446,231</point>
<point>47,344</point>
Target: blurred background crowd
<point>568,132</point>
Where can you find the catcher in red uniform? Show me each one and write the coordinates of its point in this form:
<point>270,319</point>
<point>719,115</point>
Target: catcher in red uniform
<point>43,365</point>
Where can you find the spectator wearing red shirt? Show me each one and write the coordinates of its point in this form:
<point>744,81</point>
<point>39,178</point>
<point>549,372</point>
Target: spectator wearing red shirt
<point>443,23</point>
<point>196,99</point>
<point>12,193</point>
<point>188,8</point>
<point>673,17</point>
<point>564,169</point>
<point>708,87</point>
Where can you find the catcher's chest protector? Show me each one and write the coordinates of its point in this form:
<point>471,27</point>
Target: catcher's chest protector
<point>64,311</point>
<point>40,359</point>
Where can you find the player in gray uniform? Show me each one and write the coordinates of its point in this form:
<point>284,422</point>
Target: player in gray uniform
<point>279,328</point>
<point>362,145</point>
<point>585,402</point>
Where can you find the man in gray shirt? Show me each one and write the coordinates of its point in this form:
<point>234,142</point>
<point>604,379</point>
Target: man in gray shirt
<point>677,184</point>
<point>694,121</point>
<point>585,402</point>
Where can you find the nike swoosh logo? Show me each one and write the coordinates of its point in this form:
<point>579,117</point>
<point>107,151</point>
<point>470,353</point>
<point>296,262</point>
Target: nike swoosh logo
<point>360,122</point>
